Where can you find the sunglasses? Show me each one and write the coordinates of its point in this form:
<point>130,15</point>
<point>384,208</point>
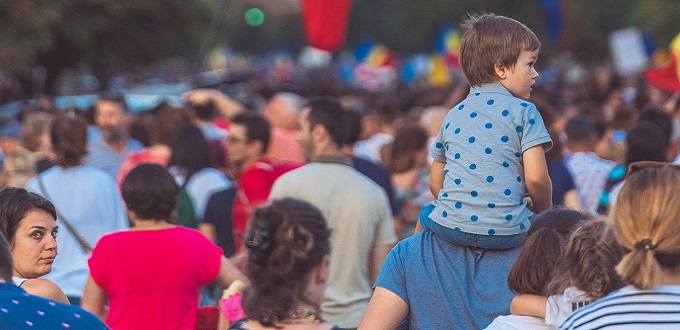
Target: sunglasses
<point>639,166</point>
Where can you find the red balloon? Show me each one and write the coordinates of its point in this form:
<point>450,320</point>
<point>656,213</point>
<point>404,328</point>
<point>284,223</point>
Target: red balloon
<point>325,22</point>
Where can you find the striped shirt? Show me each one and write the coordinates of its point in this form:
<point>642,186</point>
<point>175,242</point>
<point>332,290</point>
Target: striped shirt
<point>590,175</point>
<point>630,308</point>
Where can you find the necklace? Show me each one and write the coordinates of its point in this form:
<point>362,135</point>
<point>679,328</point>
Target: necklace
<point>306,314</point>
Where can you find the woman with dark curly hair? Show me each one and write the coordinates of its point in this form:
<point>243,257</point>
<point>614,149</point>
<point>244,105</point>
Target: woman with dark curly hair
<point>151,274</point>
<point>288,267</point>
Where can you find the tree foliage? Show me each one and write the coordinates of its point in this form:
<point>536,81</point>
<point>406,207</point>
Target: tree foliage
<point>106,36</point>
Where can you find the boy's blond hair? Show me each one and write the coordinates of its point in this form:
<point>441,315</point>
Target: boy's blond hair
<point>489,40</point>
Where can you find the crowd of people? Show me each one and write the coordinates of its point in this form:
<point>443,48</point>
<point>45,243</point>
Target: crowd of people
<point>497,203</point>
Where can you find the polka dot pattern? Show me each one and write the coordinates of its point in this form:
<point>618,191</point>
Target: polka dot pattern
<point>438,145</point>
<point>487,137</point>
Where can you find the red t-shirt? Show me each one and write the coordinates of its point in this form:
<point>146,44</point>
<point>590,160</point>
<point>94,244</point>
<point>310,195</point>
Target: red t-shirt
<point>152,277</point>
<point>255,183</point>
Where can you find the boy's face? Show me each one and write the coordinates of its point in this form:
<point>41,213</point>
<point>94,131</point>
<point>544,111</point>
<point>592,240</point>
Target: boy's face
<point>519,79</point>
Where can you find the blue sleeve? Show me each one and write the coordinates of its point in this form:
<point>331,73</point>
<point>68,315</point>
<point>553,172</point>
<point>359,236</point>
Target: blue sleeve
<point>391,276</point>
<point>533,131</point>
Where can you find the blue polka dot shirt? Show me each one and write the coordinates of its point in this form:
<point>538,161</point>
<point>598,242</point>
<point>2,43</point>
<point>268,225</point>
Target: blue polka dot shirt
<point>481,141</point>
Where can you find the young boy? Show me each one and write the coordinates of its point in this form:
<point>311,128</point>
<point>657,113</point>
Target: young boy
<point>489,153</point>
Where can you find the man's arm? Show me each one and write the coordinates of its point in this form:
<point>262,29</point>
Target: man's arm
<point>385,310</point>
<point>225,105</point>
<point>536,178</point>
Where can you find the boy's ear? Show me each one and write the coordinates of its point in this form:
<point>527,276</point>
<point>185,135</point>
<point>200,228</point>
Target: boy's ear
<point>500,69</point>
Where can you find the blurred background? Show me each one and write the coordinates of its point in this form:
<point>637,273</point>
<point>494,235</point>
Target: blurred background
<point>79,47</point>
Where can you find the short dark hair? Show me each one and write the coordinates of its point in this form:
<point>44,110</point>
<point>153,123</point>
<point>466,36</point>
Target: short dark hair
<point>580,129</point>
<point>68,135</point>
<point>328,112</point>
<point>286,240</point>
<point>353,127</point>
<point>646,142</point>
<point>257,128</point>
<point>660,118</point>
<point>6,263</point>
<point>15,204</point>
<point>490,39</point>
<point>205,111</point>
<point>190,150</point>
<point>114,97</point>
<point>150,191</point>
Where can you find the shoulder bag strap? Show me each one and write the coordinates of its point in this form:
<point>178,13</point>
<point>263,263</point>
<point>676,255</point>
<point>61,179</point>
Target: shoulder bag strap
<point>81,241</point>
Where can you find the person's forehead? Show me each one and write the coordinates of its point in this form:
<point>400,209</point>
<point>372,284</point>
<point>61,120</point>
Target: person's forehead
<point>239,130</point>
<point>109,107</point>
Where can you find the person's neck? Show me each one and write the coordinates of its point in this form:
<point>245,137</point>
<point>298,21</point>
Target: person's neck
<point>580,148</point>
<point>249,162</point>
<point>150,224</point>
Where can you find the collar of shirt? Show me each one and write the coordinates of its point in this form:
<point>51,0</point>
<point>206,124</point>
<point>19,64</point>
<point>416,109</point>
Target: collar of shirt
<point>342,160</point>
<point>490,88</point>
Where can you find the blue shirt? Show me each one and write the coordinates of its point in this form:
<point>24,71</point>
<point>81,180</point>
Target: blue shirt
<point>19,310</point>
<point>446,285</point>
<point>481,141</point>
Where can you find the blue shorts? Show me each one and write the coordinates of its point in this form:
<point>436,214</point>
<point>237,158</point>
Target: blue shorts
<point>489,242</point>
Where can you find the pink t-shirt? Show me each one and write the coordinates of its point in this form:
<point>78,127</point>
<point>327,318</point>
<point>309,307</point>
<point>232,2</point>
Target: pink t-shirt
<point>152,277</point>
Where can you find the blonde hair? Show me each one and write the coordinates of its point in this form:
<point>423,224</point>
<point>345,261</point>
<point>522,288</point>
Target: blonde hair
<point>646,223</point>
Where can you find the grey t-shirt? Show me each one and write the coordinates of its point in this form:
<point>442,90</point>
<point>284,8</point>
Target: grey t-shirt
<point>482,140</point>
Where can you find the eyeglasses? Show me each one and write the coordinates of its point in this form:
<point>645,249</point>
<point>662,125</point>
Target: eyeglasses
<point>639,166</point>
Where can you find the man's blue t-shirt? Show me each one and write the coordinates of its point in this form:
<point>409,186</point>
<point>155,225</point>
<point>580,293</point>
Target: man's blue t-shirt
<point>481,141</point>
<point>448,286</point>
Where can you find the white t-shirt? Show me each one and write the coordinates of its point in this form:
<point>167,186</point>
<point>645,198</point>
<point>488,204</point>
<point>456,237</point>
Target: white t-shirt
<point>90,201</point>
<point>518,322</point>
<point>558,307</point>
<point>202,185</point>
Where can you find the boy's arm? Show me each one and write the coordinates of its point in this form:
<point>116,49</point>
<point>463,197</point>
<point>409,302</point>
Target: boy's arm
<point>536,178</point>
<point>528,304</point>
<point>437,177</point>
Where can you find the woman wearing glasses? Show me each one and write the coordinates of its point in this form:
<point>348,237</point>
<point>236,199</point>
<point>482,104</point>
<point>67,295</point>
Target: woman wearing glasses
<point>646,221</point>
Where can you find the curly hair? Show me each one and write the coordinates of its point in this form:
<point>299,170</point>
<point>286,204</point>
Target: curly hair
<point>588,261</point>
<point>286,240</point>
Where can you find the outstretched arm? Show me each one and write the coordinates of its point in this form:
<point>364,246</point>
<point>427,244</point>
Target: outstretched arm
<point>529,305</point>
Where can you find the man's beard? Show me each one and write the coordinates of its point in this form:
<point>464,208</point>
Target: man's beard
<point>113,135</point>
